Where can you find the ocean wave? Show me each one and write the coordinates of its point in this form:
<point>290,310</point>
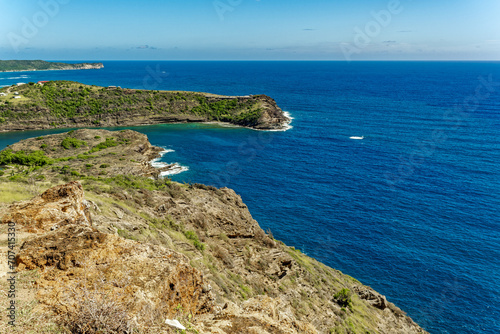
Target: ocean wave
<point>157,164</point>
<point>176,169</point>
<point>287,125</point>
<point>165,151</point>
<point>15,78</point>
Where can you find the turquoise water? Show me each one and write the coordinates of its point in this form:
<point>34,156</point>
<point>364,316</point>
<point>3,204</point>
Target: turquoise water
<point>411,210</point>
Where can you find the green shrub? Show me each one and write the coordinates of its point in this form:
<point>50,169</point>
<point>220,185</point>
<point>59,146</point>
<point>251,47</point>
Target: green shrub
<point>85,157</point>
<point>104,166</point>
<point>75,173</point>
<point>43,146</point>
<point>191,235</point>
<point>65,159</point>
<point>109,142</point>
<point>65,169</point>
<point>18,178</point>
<point>69,142</point>
<point>36,158</point>
<point>343,297</point>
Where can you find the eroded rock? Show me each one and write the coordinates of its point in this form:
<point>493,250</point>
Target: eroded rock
<point>56,207</point>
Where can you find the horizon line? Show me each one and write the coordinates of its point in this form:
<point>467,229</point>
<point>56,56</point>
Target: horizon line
<point>283,60</point>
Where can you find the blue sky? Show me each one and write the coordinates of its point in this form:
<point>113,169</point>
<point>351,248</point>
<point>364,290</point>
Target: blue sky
<point>250,30</point>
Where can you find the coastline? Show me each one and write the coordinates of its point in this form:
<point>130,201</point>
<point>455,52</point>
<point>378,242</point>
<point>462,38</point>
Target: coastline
<point>285,126</point>
<point>52,69</point>
<point>40,65</point>
<point>198,221</point>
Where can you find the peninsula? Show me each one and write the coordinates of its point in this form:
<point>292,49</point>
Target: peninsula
<point>40,65</point>
<point>104,245</point>
<point>68,104</point>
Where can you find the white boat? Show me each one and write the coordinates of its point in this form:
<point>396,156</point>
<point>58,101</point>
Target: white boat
<point>358,138</point>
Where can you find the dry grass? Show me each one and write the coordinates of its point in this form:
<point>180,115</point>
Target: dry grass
<point>94,308</point>
<point>266,239</point>
<point>31,317</point>
<point>12,192</point>
<point>222,254</point>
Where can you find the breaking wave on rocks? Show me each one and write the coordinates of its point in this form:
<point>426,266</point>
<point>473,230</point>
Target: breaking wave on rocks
<point>156,162</point>
<point>287,125</point>
<point>173,168</point>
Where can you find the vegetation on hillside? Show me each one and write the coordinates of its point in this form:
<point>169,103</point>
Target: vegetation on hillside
<point>64,101</point>
<point>185,218</point>
<point>26,65</point>
<point>36,158</point>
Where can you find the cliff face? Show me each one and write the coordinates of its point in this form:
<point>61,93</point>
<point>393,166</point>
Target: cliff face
<point>158,249</point>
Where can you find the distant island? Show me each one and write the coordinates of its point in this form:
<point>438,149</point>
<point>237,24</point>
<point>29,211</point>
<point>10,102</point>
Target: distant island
<point>68,104</point>
<point>40,65</point>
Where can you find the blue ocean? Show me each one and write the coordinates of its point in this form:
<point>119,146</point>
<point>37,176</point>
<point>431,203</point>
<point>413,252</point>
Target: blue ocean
<point>411,209</point>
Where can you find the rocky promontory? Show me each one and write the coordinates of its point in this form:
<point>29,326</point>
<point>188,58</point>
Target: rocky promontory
<point>123,251</point>
<point>67,104</point>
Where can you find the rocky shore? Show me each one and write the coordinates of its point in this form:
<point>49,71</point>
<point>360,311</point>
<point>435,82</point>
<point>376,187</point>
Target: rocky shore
<point>146,249</point>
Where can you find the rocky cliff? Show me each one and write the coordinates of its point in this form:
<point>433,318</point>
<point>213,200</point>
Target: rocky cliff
<point>147,250</point>
<point>66,104</point>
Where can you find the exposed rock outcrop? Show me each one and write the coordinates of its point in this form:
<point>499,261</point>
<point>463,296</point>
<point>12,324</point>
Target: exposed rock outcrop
<point>144,276</point>
<point>188,252</point>
<point>56,207</point>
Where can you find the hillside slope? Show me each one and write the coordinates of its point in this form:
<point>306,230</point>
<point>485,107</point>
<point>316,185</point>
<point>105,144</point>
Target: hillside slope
<point>154,249</point>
